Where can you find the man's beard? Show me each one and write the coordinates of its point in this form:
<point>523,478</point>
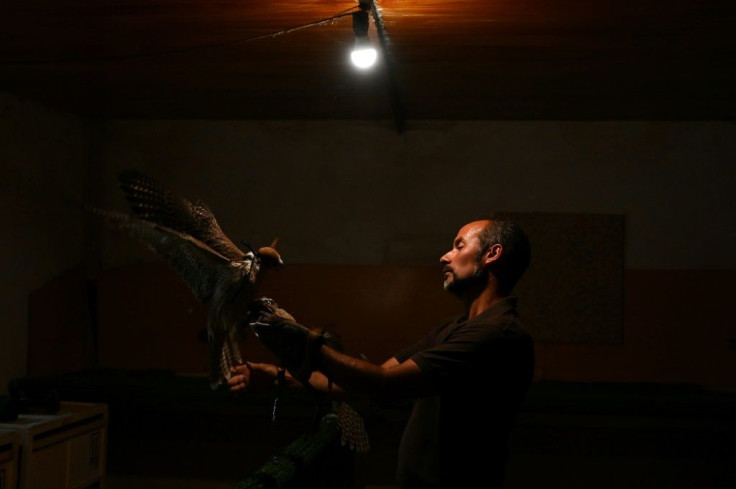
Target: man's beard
<point>460,286</point>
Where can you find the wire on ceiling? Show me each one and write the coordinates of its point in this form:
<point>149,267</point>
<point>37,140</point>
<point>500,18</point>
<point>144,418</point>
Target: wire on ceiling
<point>125,57</point>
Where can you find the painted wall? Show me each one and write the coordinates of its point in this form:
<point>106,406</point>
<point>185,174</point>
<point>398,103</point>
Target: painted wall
<point>355,193</point>
<point>358,193</point>
<point>351,192</point>
<point>44,156</point>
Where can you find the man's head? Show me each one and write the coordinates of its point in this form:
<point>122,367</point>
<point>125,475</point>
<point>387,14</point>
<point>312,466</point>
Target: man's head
<point>496,248</point>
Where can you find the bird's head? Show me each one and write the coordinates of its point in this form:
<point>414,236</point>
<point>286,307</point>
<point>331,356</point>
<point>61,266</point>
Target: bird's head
<point>268,255</point>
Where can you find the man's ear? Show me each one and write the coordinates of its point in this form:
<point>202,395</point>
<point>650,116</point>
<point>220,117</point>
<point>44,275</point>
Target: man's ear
<point>492,254</point>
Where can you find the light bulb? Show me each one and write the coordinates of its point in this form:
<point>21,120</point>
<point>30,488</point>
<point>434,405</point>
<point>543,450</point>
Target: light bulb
<point>363,58</point>
<point>363,55</point>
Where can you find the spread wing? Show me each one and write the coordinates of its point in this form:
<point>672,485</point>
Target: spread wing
<point>152,201</point>
<point>201,267</point>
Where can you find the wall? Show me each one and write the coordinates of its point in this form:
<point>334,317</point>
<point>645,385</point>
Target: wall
<point>358,193</point>
<point>350,192</point>
<point>44,157</point>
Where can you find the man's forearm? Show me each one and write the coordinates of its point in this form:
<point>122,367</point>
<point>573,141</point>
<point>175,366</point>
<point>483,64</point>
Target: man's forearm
<point>363,379</point>
<point>321,383</point>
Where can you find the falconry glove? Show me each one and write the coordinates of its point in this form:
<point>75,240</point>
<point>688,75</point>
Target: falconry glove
<point>296,346</point>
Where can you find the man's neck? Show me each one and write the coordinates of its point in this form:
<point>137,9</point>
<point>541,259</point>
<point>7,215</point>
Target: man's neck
<point>481,302</point>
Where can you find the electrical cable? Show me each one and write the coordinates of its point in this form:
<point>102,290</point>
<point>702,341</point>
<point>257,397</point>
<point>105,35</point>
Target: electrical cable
<point>126,57</point>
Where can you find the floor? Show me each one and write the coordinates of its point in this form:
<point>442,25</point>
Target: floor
<point>118,481</point>
<point>657,446</point>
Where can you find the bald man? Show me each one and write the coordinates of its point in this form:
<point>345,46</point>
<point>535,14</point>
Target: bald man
<point>468,377</point>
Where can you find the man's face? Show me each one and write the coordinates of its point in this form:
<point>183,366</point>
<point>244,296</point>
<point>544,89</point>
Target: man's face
<point>462,266</point>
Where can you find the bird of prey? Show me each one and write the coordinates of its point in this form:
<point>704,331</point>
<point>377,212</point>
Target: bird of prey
<point>186,234</point>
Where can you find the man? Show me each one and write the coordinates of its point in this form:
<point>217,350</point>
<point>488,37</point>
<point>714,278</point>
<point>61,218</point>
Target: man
<point>468,377</point>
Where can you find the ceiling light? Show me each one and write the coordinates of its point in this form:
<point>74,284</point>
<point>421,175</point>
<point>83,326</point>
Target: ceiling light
<point>363,55</point>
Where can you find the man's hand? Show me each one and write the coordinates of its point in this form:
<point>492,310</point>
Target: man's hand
<point>296,346</point>
<point>252,376</point>
<point>266,305</point>
<point>239,378</point>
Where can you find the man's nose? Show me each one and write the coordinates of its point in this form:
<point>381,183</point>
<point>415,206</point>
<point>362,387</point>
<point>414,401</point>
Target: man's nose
<point>444,259</point>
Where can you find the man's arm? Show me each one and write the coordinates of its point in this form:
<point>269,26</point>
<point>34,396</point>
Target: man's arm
<point>391,380</point>
<point>346,377</point>
<point>256,375</point>
<point>322,383</point>
<point>303,352</point>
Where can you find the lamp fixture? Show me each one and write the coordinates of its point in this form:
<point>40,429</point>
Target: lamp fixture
<point>363,55</point>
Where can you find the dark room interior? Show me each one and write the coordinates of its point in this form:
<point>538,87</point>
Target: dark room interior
<point>605,128</point>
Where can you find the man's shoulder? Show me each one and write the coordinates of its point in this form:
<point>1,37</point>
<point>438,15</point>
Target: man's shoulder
<point>500,321</point>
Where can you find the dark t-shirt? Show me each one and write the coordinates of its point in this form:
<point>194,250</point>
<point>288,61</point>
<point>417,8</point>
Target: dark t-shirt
<point>482,369</point>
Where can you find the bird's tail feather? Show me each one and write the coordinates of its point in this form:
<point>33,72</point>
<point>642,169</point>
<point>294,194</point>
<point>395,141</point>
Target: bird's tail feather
<point>352,428</point>
<point>224,358</point>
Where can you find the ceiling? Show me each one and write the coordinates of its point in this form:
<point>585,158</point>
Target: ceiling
<point>455,59</point>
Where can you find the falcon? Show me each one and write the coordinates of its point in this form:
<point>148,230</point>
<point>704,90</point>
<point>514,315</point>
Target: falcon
<point>186,234</point>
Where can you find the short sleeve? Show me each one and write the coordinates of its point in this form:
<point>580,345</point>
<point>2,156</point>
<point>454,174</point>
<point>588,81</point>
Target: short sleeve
<point>426,342</point>
<point>465,357</point>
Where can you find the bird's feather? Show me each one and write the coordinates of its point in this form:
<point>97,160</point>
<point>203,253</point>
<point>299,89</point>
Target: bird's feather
<point>224,284</point>
<point>201,267</point>
<point>153,201</point>
<point>187,235</point>
<point>352,427</point>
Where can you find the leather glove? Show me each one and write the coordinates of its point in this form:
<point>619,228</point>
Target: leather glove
<point>266,305</point>
<point>296,346</point>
